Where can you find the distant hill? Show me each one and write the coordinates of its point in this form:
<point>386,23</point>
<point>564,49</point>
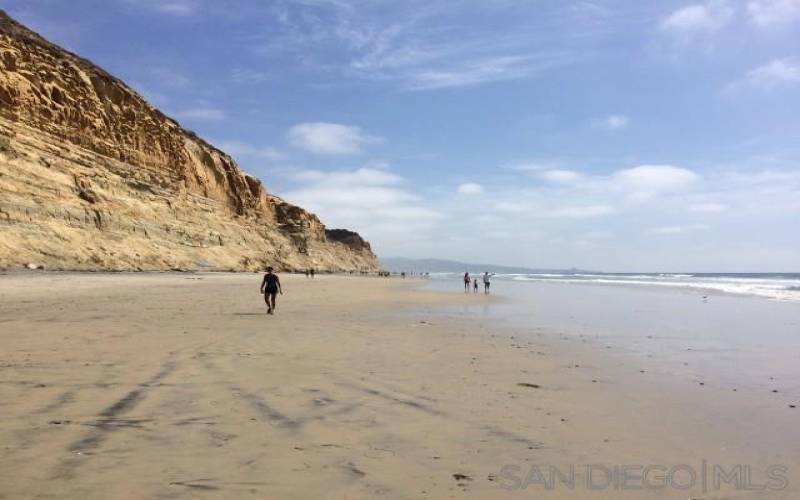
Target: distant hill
<point>400,264</point>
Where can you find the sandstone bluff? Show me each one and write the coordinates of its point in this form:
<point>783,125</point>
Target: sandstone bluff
<point>92,177</point>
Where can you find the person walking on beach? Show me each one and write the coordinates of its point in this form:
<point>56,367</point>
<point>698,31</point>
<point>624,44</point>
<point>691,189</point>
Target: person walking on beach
<point>270,286</point>
<point>466,282</point>
<point>485,282</point>
<point>475,285</point>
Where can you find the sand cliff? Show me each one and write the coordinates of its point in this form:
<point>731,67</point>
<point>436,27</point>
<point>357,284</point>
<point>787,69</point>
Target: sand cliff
<point>94,177</point>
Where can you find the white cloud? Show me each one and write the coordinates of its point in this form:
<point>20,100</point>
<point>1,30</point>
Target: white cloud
<point>366,176</point>
<point>241,150</point>
<point>760,192</point>
<point>698,20</point>
<point>533,166</point>
<point>646,181</point>
<point>774,74</point>
<point>601,234</point>
<point>559,176</point>
<point>329,138</point>
<point>512,207</point>
<point>571,194</point>
<point>583,211</point>
<point>769,13</point>
<point>374,202</point>
<point>610,214</point>
<point>708,207</point>
<point>200,114</point>
<point>547,204</point>
<point>365,189</point>
<point>667,230</point>
<point>178,8</point>
<point>367,199</point>
<point>612,122</point>
<point>469,188</point>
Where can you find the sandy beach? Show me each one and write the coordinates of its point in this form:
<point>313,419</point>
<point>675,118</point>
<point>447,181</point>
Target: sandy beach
<point>144,386</point>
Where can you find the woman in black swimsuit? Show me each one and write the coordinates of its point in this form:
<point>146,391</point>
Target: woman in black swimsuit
<point>270,286</point>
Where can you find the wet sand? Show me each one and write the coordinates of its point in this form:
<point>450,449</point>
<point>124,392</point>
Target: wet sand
<point>179,386</point>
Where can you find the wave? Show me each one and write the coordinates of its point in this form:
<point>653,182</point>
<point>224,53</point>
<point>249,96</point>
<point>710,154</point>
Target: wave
<point>780,287</point>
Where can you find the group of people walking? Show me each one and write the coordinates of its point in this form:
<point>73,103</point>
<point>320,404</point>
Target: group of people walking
<point>271,286</point>
<point>474,281</point>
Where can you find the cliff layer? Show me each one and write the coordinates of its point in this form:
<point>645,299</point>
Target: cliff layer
<point>94,177</point>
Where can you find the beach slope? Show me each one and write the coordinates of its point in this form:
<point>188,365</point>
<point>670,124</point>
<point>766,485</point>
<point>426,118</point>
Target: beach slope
<point>179,386</point>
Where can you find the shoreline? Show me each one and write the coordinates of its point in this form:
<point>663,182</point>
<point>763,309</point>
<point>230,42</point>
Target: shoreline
<point>159,386</point>
<point>790,282</point>
<point>733,341</point>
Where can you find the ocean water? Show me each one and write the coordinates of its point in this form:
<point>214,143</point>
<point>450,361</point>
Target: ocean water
<point>774,286</point>
<point>740,330</point>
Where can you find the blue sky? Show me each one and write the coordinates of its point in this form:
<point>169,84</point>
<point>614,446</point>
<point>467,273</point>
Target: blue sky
<point>607,134</point>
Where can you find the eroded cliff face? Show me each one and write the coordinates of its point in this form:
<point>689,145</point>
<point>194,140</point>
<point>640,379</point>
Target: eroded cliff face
<point>94,177</point>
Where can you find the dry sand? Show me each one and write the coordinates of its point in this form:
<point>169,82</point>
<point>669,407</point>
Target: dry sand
<point>179,386</point>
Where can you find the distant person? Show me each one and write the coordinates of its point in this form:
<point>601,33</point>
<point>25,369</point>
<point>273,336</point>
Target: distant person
<point>475,285</point>
<point>270,286</point>
<point>467,281</point>
<point>486,282</point>
<point>311,271</point>
<point>306,273</point>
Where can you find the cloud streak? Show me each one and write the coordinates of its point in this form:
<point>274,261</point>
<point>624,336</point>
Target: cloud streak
<point>422,45</point>
<point>487,70</point>
<point>177,8</point>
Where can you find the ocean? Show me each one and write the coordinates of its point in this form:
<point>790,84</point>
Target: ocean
<point>737,329</point>
<point>774,286</point>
